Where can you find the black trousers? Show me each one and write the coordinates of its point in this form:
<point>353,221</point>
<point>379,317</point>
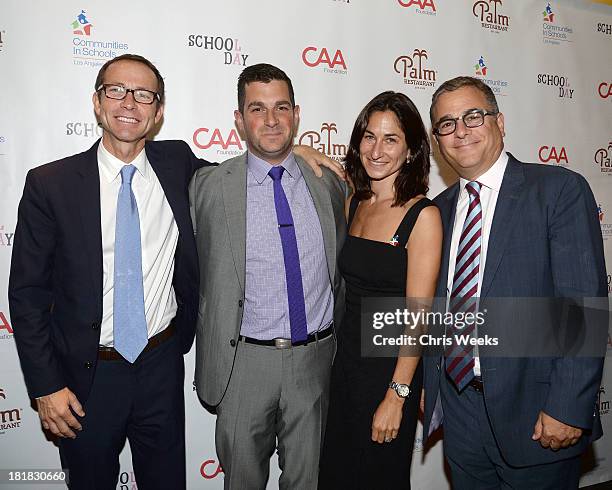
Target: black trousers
<point>142,402</point>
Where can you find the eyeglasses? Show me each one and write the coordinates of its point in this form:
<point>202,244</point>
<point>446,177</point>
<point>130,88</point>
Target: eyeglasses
<point>471,119</point>
<point>119,92</point>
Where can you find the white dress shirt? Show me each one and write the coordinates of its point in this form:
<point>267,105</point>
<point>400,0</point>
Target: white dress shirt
<point>158,236</point>
<point>491,182</point>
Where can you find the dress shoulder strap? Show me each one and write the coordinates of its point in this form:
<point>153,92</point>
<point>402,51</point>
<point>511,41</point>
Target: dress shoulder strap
<point>405,227</point>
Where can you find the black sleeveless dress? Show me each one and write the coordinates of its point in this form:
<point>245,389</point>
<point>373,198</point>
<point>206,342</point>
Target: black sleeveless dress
<point>350,459</point>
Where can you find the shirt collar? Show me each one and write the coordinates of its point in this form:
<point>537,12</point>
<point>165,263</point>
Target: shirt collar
<point>259,168</point>
<point>492,178</point>
<point>110,166</point>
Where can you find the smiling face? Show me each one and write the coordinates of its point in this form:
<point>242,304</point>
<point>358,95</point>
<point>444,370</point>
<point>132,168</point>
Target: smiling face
<point>383,148</point>
<point>126,122</point>
<point>268,121</point>
<point>470,151</point>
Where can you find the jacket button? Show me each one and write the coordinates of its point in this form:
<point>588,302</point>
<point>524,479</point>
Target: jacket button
<point>233,343</point>
<point>240,303</point>
<point>95,325</point>
<point>88,365</point>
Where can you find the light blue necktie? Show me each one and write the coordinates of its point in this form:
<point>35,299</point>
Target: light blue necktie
<point>129,322</point>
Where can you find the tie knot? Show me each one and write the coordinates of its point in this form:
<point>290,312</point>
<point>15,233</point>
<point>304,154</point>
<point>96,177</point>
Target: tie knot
<point>127,174</point>
<point>276,172</point>
<point>473,187</point>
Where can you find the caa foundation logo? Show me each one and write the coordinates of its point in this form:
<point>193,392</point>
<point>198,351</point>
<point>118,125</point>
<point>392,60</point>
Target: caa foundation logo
<point>6,331</point>
<point>554,155</point>
<point>210,469</point>
<point>330,60</point>
<point>84,129</point>
<point>604,89</point>
<point>488,12</point>
<point>229,48</point>
<point>551,32</point>
<point>6,237</point>
<point>560,84</point>
<point>603,405</point>
<point>481,70</point>
<point>427,7</point>
<point>127,481</point>
<point>88,51</point>
<point>10,418</point>
<point>414,70</point>
<point>602,159</point>
<point>225,142</point>
<point>323,141</point>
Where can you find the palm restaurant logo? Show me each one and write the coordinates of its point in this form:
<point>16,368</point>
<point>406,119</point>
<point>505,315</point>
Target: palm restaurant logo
<point>489,13</point>
<point>10,418</point>
<point>427,7</point>
<point>602,159</point>
<point>551,32</point>
<point>323,141</point>
<point>603,405</point>
<point>413,68</point>
<point>225,142</point>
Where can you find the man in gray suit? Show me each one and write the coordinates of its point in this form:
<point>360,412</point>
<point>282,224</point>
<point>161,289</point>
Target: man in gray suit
<point>268,234</point>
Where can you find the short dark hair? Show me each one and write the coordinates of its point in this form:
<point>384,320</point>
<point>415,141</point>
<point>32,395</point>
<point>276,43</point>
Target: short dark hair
<point>262,72</point>
<point>138,59</point>
<point>460,82</point>
<point>413,177</point>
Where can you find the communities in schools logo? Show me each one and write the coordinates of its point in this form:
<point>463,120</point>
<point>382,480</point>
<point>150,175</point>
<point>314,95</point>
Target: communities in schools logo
<point>227,50</point>
<point>416,70</point>
<point>603,403</point>
<point>490,15</point>
<point>552,31</point>
<point>325,140</point>
<point>423,7</point>
<point>226,142</point>
<point>10,417</point>
<point>555,155</point>
<point>329,60</point>
<point>558,84</point>
<point>602,159</point>
<point>88,50</point>
<point>498,86</point>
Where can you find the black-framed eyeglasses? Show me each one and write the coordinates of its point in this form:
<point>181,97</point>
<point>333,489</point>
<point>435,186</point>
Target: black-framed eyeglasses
<point>472,119</point>
<point>119,92</point>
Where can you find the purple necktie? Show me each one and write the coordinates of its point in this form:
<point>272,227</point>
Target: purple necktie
<point>291,256</point>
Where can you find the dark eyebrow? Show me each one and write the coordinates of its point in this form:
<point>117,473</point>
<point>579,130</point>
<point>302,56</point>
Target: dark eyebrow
<point>257,103</point>
<point>449,116</point>
<point>386,135</point>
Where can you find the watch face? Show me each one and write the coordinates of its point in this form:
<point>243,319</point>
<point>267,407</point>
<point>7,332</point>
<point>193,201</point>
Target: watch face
<point>403,390</point>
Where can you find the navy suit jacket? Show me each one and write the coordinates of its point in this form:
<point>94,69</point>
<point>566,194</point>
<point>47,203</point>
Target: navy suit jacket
<point>55,284</point>
<point>545,242</point>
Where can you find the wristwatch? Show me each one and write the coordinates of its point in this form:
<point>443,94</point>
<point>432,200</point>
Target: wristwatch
<point>402,390</point>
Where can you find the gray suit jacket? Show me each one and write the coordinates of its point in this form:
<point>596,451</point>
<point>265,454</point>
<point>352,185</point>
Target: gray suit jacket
<point>218,207</point>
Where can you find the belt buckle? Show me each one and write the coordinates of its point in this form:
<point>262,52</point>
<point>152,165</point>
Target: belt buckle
<point>282,343</point>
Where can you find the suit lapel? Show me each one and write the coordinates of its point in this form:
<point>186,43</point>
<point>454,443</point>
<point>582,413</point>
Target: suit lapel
<point>325,211</point>
<point>501,228</point>
<point>234,201</point>
<point>88,204</point>
<point>448,208</point>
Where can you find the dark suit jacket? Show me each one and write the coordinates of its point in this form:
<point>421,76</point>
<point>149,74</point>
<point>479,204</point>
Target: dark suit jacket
<point>55,284</point>
<point>545,242</point>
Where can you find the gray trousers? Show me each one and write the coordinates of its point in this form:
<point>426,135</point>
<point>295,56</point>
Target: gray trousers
<point>274,394</point>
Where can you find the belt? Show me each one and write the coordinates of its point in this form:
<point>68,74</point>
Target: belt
<point>110,354</point>
<point>477,384</point>
<point>286,343</point>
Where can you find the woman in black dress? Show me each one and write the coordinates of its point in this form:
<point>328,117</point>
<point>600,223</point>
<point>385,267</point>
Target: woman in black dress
<point>393,249</point>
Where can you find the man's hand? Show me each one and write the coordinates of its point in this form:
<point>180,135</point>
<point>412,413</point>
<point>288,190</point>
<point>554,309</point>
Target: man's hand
<point>317,159</point>
<point>554,434</point>
<point>55,414</point>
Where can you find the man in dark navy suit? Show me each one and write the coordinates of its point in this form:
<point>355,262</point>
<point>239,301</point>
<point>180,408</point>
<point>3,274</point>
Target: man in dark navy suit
<point>512,230</point>
<point>103,288</point>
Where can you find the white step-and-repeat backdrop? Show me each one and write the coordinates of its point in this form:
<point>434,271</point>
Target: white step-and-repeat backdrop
<point>550,64</point>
